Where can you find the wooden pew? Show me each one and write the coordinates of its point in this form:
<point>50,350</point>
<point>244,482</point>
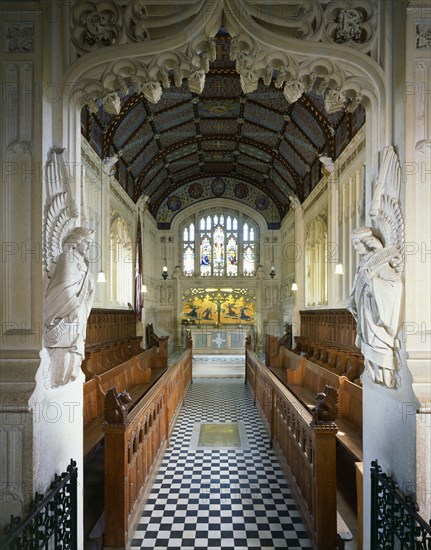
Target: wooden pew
<point>309,379</point>
<point>134,444</point>
<point>305,380</point>
<point>99,360</point>
<point>306,450</point>
<point>135,376</point>
<point>349,420</point>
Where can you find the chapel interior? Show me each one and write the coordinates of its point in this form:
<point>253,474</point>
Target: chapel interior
<point>215,287</point>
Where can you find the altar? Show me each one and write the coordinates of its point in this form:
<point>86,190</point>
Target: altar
<point>221,340</point>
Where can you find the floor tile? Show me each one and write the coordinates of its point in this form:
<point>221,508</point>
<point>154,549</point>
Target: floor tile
<point>227,498</point>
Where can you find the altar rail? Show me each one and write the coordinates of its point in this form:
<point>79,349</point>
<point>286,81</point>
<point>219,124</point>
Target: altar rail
<point>134,448</point>
<point>305,449</point>
<point>105,326</point>
<point>328,326</point>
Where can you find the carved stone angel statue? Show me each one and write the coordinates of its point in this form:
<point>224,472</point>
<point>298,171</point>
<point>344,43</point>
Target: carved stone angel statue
<point>375,300</point>
<point>70,290</point>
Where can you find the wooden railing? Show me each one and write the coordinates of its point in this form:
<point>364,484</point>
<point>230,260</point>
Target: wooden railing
<point>134,446</point>
<point>305,449</point>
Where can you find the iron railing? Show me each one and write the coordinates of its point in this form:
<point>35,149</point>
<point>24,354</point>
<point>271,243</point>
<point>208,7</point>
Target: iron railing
<point>52,523</point>
<point>395,522</point>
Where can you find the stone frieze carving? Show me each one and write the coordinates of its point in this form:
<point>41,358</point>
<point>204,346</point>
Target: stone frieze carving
<point>18,38</point>
<point>149,76</point>
<point>349,23</point>
<point>423,36</point>
<point>96,24</point>
<point>105,23</point>
<point>375,300</point>
<point>254,63</point>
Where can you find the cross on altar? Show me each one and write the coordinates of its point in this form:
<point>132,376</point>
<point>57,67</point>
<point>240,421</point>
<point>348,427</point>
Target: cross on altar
<point>219,340</point>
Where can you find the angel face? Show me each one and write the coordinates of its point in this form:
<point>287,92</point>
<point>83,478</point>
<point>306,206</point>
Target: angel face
<point>84,247</point>
<point>360,246</point>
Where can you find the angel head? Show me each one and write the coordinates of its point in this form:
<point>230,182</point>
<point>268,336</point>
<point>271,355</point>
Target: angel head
<point>364,240</point>
<point>78,236</point>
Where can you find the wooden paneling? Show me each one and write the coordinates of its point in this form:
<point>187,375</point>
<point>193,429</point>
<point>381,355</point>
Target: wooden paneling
<point>105,326</point>
<point>329,326</point>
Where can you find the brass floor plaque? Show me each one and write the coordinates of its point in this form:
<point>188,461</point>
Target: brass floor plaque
<point>219,435</point>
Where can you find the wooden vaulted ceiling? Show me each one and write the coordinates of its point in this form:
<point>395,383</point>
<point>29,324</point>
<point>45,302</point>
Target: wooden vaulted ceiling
<point>256,148</point>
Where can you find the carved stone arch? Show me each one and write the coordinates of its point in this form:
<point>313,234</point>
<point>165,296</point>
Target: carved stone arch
<point>248,37</point>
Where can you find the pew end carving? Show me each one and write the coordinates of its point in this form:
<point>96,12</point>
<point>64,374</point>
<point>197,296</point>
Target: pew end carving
<point>326,408</point>
<point>115,406</point>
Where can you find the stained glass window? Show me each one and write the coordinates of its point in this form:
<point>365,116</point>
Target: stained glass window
<point>249,259</point>
<point>249,250</point>
<point>231,257</point>
<point>189,250</point>
<point>218,247</point>
<point>205,256</point>
<point>219,244</point>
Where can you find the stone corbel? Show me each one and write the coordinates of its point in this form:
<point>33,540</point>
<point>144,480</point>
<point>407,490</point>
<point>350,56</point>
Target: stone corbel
<point>111,102</point>
<point>196,81</point>
<point>334,100</point>
<point>293,90</point>
<point>152,91</point>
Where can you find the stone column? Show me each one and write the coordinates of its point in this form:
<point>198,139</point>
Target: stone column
<point>260,275</point>
<point>178,301</point>
<point>416,180</point>
<point>299,267</point>
<point>333,253</point>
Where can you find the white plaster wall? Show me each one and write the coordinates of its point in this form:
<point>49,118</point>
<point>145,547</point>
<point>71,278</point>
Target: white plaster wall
<point>389,427</point>
<point>58,437</point>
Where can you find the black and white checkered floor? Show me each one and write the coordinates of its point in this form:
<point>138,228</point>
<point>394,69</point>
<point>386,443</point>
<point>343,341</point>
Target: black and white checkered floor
<point>230,499</point>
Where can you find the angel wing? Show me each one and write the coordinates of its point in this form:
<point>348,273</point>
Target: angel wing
<point>61,211</point>
<point>385,210</point>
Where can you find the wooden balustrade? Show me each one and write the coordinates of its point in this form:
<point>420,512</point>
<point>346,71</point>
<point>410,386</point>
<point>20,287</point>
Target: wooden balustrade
<point>305,449</point>
<point>134,446</point>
